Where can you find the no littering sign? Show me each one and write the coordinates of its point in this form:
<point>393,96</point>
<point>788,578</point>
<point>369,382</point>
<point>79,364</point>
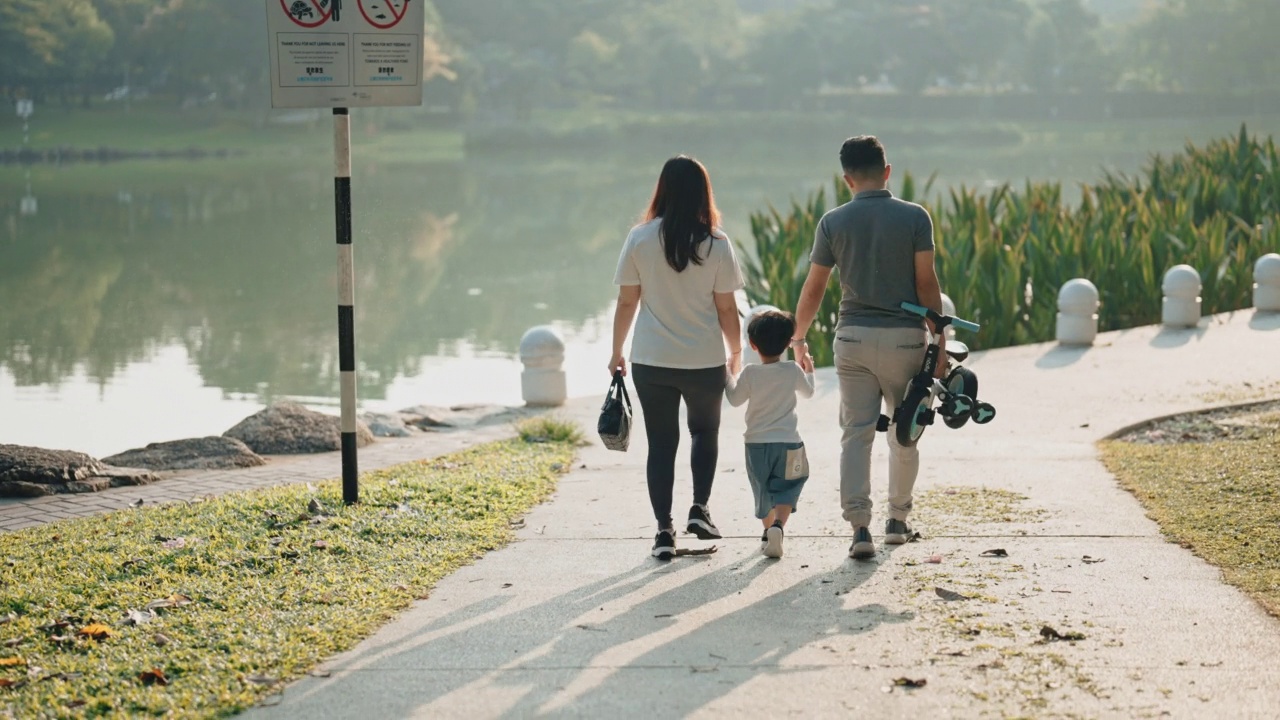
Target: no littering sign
<point>345,53</point>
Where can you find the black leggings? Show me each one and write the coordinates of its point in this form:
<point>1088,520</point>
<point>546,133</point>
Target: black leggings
<point>660,390</point>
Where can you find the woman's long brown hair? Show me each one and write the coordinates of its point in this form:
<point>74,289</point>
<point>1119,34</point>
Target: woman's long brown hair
<point>685,202</point>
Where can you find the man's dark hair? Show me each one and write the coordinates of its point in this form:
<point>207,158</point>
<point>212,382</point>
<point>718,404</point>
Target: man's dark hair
<point>862,156</point>
<point>770,332</point>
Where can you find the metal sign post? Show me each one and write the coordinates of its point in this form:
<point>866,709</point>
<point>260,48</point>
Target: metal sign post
<point>28,204</point>
<point>325,56</point>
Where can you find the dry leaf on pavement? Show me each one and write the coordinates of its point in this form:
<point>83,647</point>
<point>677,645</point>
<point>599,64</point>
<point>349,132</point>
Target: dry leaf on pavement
<point>950,595</point>
<point>995,553</point>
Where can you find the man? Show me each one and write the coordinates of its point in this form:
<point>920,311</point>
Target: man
<point>883,249</point>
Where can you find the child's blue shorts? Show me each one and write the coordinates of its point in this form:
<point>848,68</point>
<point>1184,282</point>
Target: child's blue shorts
<point>777,472</point>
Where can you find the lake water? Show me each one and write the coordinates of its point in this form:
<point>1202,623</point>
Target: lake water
<point>155,301</point>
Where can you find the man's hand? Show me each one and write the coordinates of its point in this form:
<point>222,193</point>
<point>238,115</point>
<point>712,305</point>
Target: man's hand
<point>806,361</point>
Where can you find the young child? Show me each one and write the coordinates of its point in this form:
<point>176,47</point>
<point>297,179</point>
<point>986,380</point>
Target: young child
<point>776,462</point>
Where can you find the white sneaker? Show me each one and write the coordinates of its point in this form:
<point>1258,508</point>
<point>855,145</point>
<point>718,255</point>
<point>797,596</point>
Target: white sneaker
<point>773,541</point>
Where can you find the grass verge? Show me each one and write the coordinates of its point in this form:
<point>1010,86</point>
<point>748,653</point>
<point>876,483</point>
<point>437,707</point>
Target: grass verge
<point>1220,499</point>
<point>198,610</point>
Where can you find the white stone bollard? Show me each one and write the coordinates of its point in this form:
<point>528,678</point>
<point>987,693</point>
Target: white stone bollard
<point>1181,297</point>
<point>749,356</point>
<point>1077,313</point>
<point>1266,283</point>
<point>542,383</point>
<point>949,308</point>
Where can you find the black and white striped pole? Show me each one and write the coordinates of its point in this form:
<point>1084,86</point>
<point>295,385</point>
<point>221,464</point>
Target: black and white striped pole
<point>346,301</point>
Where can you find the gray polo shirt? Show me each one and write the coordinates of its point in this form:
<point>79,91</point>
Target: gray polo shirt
<point>873,240</point>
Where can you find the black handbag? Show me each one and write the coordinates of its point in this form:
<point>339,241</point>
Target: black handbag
<point>615,416</point>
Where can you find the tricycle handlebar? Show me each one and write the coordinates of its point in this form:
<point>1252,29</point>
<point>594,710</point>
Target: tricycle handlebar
<point>941,320</point>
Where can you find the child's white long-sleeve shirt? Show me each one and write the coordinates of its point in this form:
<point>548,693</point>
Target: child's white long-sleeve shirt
<point>772,390</point>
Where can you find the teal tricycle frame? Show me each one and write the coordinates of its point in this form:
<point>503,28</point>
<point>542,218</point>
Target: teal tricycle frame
<point>957,394</point>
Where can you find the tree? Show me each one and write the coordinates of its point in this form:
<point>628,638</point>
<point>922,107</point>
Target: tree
<point>48,45</point>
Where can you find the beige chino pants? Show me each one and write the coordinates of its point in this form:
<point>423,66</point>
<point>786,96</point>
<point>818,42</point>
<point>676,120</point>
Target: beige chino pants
<point>874,366</point>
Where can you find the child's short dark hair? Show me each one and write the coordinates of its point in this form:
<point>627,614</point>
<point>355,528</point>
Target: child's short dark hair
<point>770,331</point>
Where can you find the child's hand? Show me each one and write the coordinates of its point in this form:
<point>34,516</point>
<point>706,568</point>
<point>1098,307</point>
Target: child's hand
<point>806,362</point>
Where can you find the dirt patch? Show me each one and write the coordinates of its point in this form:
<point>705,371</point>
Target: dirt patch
<point>1250,422</point>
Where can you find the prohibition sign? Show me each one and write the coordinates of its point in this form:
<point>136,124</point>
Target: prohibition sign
<point>296,10</point>
<point>382,14</point>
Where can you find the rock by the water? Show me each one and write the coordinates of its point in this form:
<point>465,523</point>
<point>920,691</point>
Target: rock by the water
<point>458,416</point>
<point>33,472</point>
<point>126,476</point>
<point>206,453</point>
<point>387,425</point>
<point>19,463</point>
<point>291,429</point>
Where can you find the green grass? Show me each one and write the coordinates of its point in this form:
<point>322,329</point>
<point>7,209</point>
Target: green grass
<point>254,589</point>
<point>1220,499</point>
<point>549,428</point>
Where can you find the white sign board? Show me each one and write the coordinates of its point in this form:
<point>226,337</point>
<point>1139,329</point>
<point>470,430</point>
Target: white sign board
<point>345,53</point>
<point>25,108</point>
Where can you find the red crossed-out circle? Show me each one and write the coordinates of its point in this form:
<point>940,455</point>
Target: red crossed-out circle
<point>322,16</point>
<point>392,18</point>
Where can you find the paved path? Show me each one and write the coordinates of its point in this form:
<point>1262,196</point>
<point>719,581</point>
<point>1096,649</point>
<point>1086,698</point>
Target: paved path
<point>19,513</point>
<point>577,620</point>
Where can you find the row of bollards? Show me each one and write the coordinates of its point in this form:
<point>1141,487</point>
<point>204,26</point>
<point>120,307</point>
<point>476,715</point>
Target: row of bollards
<point>1181,308</point>
<point>542,349</point>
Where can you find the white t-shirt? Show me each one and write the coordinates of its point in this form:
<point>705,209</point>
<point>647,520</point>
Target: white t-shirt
<point>678,326</point>
<point>772,389</point>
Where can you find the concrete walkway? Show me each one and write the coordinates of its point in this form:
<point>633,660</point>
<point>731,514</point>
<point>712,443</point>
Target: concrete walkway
<point>576,620</point>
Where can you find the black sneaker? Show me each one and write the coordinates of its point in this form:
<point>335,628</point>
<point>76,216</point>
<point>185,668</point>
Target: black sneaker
<point>862,547</point>
<point>773,541</point>
<point>700,523</point>
<point>664,544</point>
<point>898,532</point>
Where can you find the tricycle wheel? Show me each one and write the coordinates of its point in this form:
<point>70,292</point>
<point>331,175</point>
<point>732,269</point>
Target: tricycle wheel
<point>961,381</point>
<point>914,416</point>
<point>983,413</point>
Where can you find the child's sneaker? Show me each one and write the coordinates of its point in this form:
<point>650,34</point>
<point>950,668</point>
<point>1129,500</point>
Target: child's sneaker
<point>700,523</point>
<point>862,547</point>
<point>664,544</point>
<point>897,532</point>
<point>773,541</point>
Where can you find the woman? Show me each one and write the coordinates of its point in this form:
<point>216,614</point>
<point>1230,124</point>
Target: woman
<point>679,270</point>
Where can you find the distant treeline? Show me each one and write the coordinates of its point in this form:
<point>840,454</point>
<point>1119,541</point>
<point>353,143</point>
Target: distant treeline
<point>500,59</point>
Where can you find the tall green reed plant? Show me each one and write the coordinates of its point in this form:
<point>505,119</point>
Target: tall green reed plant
<point>1003,254</point>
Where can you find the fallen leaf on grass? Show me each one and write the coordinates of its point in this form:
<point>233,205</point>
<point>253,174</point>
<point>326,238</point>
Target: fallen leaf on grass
<point>1091,560</point>
<point>1051,635</point>
<point>995,553</point>
<point>96,631</point>
<point>320,545</point>
<point>315,508</point>
<point>61,639</point>
<point>154,676</point>
<point>7,683</point>
<point>262,680</point>
<point>12,662</point>
<point>5,620</point>
<point>161,639</point>
<point>139,617</point>
<point>174,543</point>
<point>173,601</point>
<point>950,595</point>
<point>15,642</point>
